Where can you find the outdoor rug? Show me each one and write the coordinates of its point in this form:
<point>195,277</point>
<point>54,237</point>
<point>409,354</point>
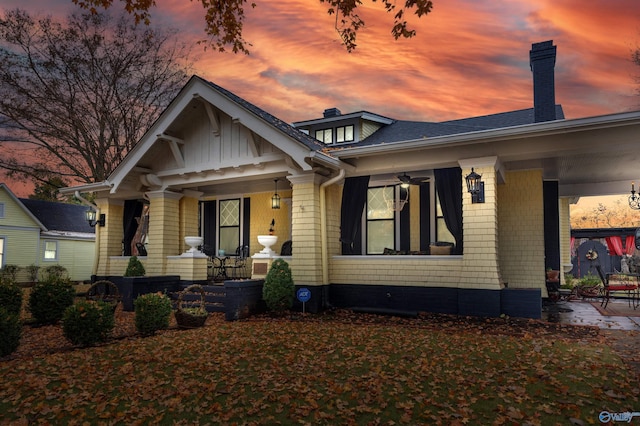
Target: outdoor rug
<point>617,309</point>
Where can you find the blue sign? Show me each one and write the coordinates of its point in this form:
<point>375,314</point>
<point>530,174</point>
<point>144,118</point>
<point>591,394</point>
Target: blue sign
<point>303,294</point>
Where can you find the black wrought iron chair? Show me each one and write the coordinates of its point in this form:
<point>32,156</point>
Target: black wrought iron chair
<point>286,249</point>
<point>142,250</point>
<point>630,285</point>
<point>238,264</point>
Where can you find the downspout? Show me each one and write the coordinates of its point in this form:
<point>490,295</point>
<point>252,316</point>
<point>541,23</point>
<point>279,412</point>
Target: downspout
<point>323,224</point>
<point>96,254</point>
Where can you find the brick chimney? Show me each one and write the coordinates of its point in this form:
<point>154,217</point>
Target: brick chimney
<point>542,57</point>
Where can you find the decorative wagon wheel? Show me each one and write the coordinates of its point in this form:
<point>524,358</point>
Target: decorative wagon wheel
<point>191,317</point>
<point>104,291</point>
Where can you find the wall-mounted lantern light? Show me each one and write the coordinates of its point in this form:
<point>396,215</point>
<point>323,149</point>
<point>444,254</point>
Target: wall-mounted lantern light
<point>634,200</point>
<point>475,186</point>
<point>91,216</point>
<point>275,200</point>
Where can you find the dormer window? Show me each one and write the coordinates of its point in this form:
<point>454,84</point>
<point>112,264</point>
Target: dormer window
<point>325,135</point>
<point>344,134</point>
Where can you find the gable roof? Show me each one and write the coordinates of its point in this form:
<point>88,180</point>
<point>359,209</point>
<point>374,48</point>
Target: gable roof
<point>401,130</point>
<point>60,217</point>
<point>289,130</point>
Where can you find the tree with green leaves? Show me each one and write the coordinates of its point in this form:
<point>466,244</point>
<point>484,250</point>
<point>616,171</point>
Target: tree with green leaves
<point>76,95</point>
<point>224,20</point>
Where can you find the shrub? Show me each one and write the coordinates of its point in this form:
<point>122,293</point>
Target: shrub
<point>32,271</point>
<point>9,271</point>
<point>10,332</point>
<point>87,323</point>
<point>135,268</point>
<point>49,299</point>
<point>152,313</point>
<point>55,272</point>
<point>278,290</point>
<point>589,280</point>
<point>10,295</point>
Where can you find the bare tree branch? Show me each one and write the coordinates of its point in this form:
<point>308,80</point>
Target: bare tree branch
<point>76,96</point>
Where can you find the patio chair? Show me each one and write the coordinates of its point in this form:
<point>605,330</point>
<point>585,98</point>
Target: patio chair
<point>142,250</point>
<point>238,264</point>
<point>631,287</point>
<point>286,248</point>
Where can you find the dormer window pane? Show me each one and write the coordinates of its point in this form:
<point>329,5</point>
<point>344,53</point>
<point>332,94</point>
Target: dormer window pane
<point>344,134</point>
<point>325,135</point>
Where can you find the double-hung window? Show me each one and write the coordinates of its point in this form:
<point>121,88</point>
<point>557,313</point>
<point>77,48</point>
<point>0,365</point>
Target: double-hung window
<point>50,250</point>
<point>1,252</point>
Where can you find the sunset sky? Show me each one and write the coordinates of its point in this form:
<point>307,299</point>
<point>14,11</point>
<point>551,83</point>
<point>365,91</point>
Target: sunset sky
<point>469,58</point>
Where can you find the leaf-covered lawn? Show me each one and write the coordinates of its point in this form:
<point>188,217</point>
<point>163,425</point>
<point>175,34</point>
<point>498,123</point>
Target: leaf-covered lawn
<point>329,369</point>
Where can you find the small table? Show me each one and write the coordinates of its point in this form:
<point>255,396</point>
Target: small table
<point>220,269</point>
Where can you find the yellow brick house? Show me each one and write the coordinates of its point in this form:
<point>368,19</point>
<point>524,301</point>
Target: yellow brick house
<point>377,209</point>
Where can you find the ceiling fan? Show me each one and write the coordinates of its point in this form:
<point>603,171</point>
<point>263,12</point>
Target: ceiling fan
<point>406,180</point>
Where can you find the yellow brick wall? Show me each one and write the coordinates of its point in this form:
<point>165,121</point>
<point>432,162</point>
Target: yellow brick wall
<point>480,227</point>
<point>110,236</point>
<point>164,235</point>
<point>307,260</point>
<point>521,218</point>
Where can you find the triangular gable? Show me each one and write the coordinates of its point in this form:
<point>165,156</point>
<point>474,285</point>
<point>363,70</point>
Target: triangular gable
<point>22,207</point>
<point>160,148</point>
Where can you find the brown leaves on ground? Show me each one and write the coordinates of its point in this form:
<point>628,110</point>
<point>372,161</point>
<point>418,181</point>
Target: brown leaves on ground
<point>332,368</point>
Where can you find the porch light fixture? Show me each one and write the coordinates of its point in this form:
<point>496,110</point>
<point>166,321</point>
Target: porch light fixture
<point>634,200</point>
<point>91,216</point>
<point>475,186</point>
<point>275,200</point>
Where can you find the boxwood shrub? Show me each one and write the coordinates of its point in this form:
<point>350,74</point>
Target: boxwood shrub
<point>152,312</point>
<point>49,299</point>
<point>10,332</point>
<point>88,322</point>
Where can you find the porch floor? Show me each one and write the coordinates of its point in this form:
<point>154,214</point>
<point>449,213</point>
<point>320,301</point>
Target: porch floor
<point>583,313</point>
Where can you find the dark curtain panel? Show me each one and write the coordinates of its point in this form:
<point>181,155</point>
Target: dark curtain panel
<point>246,220</point>
<point>354,197</point>
<point>425,216</point>
<point>132,210</point>
<point>405,222</point>
<point>551,224</point>
<point>449,190</point>
<point>209,224</point>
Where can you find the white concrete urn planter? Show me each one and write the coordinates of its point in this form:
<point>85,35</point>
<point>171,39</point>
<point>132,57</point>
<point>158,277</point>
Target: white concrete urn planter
<point>193,242</point>
<point>267,241</point>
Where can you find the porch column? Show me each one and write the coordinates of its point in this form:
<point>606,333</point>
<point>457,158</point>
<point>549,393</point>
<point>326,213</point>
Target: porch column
<point>110,236</point>
<point>565,235</point>
<point>188,216</point>
<point>305,229</point>
<point>164,230</point>
<point>480,226</point>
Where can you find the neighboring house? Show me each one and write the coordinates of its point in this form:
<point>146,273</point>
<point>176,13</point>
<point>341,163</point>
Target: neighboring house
<point>43,233</point>
<point>208,164</point>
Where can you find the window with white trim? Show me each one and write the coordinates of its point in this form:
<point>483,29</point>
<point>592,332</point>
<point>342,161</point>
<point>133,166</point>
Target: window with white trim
<point>1,210</point>
<point>1,252</point>
<point>50,250</point>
